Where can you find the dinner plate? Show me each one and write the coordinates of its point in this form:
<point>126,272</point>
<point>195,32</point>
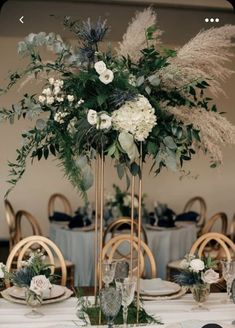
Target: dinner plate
<point>157,228</point>
<point>196,324</point>
<point>158,287</point>
<point>181,292</point>
<point>17,292</point>
<point>67,293</point>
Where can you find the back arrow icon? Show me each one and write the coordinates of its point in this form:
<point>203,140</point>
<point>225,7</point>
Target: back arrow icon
<point>21,19</point>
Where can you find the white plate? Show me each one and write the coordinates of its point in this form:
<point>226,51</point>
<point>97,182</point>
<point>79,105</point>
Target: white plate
<point>67,293</point>
<point>56,291</point>
<point>164,298</point>
<point>158,287</point>
<point>157,228</point>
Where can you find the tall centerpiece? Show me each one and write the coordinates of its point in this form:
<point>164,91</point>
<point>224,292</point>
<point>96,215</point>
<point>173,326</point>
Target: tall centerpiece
<point>136,102</point>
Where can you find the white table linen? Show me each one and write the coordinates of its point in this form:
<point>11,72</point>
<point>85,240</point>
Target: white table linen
<point>174,314</point>
<point>78,246</point>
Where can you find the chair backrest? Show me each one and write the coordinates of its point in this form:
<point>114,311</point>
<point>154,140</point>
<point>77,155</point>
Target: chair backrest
<point>203,209</point>
<point>115,225</point>
<point>226,244</point>
<point>67,208</point>
<point>11,222</point>
<point>232,228</point>
<point>50,249</point>
<point>213,220</point>
<point>36,229</point>
<point>111,248</point>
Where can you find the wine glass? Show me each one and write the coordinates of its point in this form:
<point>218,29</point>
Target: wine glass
<point>228,272</point>
<point>110,303</point>
<point>34,301</point>
<point>108,272</point>
<point>127,287</point>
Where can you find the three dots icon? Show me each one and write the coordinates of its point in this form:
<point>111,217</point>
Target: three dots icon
<point>212,20</point>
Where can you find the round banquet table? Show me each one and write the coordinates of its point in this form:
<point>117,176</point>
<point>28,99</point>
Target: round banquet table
<point>78,246</point>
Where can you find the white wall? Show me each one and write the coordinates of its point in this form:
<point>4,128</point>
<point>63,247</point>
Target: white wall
<point>44,178</point>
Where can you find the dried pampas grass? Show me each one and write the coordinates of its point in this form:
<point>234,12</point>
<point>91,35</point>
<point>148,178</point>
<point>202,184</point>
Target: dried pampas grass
<point>204,57</point>
<point>215,130</point>
<point>134,40</point>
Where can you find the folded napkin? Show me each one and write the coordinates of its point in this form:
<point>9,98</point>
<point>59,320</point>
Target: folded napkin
<point>188,216</point>
<point>151,286</point>
<point>79,221</point>
<point>60,217</point>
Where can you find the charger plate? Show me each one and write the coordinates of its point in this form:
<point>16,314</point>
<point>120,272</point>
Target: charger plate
<point>56,291</point>
<point>179,294</point>
<point>158,287</point>
<point>67,293</point>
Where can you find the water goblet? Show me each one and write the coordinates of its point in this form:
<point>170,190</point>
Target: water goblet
<point>110,303</point>
<point>34,301</point>
<point>108,272</point>
<point>127,287</point>
<point>228,272</point>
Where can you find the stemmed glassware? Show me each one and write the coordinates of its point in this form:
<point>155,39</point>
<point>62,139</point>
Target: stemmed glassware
<point>110,303</point>
<point>34,301</point>
<point>228,272</point>
<point>127,287</point>
<point>108,272</point>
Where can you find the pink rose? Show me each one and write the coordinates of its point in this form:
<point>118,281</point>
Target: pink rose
<point>210,276</point>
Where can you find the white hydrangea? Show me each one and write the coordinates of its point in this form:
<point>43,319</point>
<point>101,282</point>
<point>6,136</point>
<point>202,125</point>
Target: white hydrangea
<point>71,126</point>
<point>59,117</point>
<point>135,117</point>
<point>50,100</point>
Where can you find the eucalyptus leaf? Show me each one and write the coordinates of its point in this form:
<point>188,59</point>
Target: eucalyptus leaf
<point>169,142</point>
<point>127,143</point>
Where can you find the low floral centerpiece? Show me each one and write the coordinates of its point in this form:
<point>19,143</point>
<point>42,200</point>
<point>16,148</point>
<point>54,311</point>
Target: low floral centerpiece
<point>198,274</point>
<point>119,203</point>
<point>34,277</point>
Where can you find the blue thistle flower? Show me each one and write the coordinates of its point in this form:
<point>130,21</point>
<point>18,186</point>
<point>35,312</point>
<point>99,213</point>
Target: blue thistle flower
<point>92,33</point>
<point>119,97</point>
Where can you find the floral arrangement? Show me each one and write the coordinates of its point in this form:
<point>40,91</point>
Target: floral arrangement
<point>119,204</point>
<point>196,271</point>
<point>34,275</point>
<point>139,100</point>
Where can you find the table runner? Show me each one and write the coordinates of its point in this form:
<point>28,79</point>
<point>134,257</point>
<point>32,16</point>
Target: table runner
<point>63,315</point>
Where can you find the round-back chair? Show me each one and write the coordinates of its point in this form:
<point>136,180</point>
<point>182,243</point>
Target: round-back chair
<point>213,220</point>
<point>67,208</point>
<point>113,227</point>
<point>202,211</point>
<point>11,222</point>
<point>226,244</point>
<point>232,228</point>
<point>111,249</point>
<point>22,248</point>
<point>36,229</point>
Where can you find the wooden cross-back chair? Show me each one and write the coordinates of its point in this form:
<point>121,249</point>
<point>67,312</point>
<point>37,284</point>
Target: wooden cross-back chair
<point>67,208</point>
<point>11,222</point>
<point>36,229</point>
<point>21,249</point>
<point>221,216</point>
<point>115,225</point>
<point>202,211</point>
<point>111,249</point>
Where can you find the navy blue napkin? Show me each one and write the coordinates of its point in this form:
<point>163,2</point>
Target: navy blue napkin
<point>188,216</point>
<point>60,217</point>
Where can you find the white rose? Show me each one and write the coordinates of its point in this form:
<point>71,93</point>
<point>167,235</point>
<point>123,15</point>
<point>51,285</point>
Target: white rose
<point>100,67</point>
<point>197,265</point>
<point>210,276</point>
<point>70,98</point>
<point>46,91</point>
<point>136,202</point>
<point>2,269</point>
<point>92,116</point>
<point>50,100</point>
<point>51,80</point>
<point>41,99</point>
<point>104,122</point>
<point>127,200</point>
<point>106,77</point>
<point>40,285</point>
